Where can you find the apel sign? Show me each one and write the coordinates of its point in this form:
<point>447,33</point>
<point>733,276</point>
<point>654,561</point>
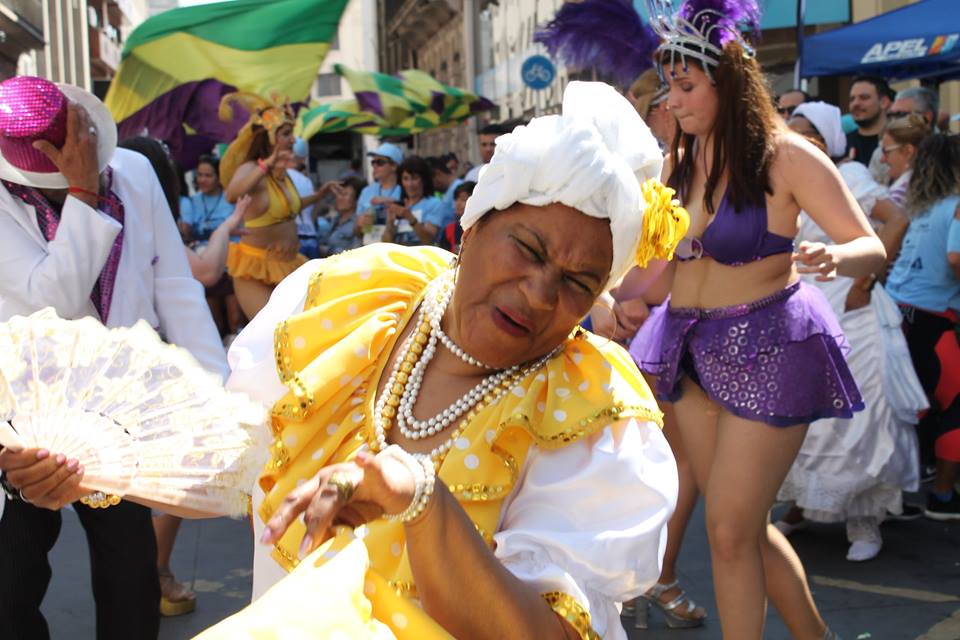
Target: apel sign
<point>909,48</point>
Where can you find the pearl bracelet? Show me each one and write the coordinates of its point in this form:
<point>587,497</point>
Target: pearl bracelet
<point>421,466</point>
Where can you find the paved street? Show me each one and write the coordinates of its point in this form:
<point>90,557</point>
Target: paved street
<point>911,591</point>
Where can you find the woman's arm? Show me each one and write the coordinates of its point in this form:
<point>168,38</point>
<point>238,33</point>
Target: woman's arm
<point>895,224</point>
<point>470,573</point>
<point>818,189</point>
<point>244,181</point>
<point>317,195</point>
<point>208,267</point>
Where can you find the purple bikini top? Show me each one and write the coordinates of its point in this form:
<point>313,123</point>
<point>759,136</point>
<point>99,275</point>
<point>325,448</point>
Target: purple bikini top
<point>735,237</point>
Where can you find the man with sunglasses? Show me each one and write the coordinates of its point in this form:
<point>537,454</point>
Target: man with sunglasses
<point>920,100</point>
<point>790,100</point>
<point>373,200</point>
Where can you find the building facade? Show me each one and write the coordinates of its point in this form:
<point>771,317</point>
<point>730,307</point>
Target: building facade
<point>71,41</point>
<point>21,33</point>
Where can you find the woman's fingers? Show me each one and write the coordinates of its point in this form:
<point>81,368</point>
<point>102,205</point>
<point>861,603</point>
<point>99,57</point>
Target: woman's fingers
<point>319,516</point>
<point>292,506</point>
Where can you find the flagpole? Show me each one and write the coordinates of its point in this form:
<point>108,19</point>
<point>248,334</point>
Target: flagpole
<point>801,11</point>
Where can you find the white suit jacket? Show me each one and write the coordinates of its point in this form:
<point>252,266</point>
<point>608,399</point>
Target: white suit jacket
<point>153,283</point>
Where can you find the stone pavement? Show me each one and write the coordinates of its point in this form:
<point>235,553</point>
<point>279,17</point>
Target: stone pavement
<point>911,591</point>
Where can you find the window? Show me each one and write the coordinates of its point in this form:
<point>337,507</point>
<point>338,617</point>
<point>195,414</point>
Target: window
<point>328,84</point>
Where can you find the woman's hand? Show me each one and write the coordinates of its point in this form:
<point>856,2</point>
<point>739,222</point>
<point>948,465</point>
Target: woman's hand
<point>381,484</point>
<point>235,220</point>
<point>400,212</point>
<point>44,480</point>
<point>818,258</point>
<point>278,160</point>
<point>857,298</point>
<point>630,314</point>
<point>381,200</point>
<point>618,321</point>
<point>602,316</point>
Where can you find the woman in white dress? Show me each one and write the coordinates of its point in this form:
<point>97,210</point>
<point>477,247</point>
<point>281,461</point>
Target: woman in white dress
<point>855,470</point>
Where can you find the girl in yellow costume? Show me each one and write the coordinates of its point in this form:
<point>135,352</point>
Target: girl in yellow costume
<point>256,163</point>
<point>535,498</point>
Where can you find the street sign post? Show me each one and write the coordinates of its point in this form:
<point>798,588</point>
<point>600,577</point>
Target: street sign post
<point>538,72</point>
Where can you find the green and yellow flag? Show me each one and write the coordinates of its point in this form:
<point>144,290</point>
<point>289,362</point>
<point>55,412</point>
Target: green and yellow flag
<point>385,105</point>
<point>187,58</point>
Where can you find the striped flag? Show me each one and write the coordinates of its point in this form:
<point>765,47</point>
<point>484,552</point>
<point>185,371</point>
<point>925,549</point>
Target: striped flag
<point>393,106</point>
<point>177,64</point>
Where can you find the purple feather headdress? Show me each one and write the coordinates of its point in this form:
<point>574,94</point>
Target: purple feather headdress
<point>607,35</point>
<point>701,28</point>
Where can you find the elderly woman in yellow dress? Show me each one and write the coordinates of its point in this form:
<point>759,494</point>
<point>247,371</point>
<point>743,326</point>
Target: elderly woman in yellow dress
<point>501,473</point>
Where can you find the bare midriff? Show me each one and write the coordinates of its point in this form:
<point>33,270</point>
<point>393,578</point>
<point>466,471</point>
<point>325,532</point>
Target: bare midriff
<point>707,284</point>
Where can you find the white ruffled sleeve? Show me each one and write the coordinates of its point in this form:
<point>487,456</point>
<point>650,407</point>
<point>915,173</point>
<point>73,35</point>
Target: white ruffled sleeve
<point>589,520</point>
<point>253,369</point>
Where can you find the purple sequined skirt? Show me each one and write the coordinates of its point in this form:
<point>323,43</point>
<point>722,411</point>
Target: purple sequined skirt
<point>778,360</point>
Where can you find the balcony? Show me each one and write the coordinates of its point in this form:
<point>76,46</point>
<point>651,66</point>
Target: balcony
<point>104,54</point>
<point>416,21</point>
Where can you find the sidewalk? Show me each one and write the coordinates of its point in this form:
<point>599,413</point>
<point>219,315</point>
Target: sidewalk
<point>909,592</point>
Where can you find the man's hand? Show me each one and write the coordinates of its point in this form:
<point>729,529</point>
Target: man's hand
<point>77,159</point>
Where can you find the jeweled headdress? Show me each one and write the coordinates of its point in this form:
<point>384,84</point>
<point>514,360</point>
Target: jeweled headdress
<point>699,29</point>
<point>268,114</point>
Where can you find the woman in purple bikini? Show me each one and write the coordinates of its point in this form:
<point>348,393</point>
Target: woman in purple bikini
<point>748,355</point>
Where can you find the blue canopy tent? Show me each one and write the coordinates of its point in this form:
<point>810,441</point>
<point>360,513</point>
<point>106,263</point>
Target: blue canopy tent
<point>920,40</point>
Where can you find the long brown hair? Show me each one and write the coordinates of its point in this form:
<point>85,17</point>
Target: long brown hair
<point>260,147</point>
<point>742,134</point>
<point>936,172</point>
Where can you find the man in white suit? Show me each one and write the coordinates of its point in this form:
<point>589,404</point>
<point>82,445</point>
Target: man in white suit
<point>85,229</point>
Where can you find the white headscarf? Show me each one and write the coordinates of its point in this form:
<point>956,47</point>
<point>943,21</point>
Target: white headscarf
<point>826,118</point>
<point>593,157</point>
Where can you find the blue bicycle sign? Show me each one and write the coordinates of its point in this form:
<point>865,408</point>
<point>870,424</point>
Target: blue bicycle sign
<point>538,72</point>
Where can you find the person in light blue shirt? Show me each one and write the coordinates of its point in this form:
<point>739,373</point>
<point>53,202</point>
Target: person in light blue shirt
<point>418,218</point>
<point>446,183</point>
<point>372,204</point>
<point>340,230</point>
<point>925,281</point>
<point>208,207</point>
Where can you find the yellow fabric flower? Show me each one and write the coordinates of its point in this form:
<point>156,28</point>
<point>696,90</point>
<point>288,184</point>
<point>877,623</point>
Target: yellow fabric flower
<point>665,223</point>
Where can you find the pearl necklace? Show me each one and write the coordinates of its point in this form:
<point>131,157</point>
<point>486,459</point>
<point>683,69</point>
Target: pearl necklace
<point>403,387</point>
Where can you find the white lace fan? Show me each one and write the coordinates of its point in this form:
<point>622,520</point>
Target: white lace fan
<point>142,417</point>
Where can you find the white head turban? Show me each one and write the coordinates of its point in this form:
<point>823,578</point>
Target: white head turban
<point>826,118</point>
<point>593,158</point>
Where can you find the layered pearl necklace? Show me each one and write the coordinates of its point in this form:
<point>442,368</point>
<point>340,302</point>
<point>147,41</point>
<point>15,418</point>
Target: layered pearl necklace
<point>403,386</point>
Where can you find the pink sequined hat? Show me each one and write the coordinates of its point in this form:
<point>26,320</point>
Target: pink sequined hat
<point>32,109</point>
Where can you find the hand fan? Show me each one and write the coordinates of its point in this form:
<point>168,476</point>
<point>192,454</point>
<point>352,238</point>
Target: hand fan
<point>141,416</point>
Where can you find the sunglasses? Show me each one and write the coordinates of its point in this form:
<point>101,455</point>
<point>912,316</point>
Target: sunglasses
<point>886,150</point>
<point>786,111</point>
<point>378,162</point>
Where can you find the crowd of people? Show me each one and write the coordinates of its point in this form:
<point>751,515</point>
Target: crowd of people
<point>801,346</point>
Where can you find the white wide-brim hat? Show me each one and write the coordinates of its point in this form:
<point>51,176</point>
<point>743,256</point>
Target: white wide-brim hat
<point>106,143</point>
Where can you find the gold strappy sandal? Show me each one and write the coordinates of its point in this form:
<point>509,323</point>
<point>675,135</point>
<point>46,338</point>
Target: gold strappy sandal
<point>175,599</point>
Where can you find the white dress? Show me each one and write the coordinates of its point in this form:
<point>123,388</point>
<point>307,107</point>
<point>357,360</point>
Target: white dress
<point>856,469</point>
<point>588,519</point>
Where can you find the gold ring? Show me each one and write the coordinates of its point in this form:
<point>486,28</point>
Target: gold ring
<point>345,486</point>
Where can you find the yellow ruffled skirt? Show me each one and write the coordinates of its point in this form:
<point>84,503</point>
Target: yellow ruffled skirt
<point>254,263</point>
<point>331,594</point>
